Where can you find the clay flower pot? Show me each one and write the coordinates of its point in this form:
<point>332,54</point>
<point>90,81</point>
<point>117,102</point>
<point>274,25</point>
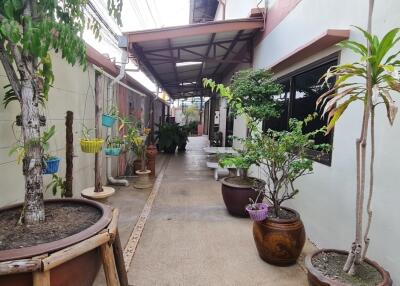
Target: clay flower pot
<point>236,196</point>
<point>316,278</point>
<point>84,267</point>
<point>143,181</point>
<point>280,241</point>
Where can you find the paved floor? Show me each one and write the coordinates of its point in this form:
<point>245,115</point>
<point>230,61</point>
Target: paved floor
<point>190,239</point>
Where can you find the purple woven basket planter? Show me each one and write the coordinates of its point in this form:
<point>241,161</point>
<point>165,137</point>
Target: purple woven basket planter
<point>260,214</point>
<point>51,166</point>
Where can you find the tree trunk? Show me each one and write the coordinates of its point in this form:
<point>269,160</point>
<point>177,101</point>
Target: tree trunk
<point>69,154</point>
<point>32,163</point>
<point>355,254</point>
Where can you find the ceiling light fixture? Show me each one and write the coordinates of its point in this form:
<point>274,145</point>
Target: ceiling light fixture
<point>183,64</point>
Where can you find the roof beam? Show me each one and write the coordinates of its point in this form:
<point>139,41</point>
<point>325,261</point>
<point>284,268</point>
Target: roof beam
<point>173,62</point>
<point>231,46</point>
<point>195,30</point>
<point>245,38</point>
<point>210,43</point>
<point>138,51</point>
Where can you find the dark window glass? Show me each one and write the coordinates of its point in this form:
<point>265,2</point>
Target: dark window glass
<point>307,89</point>
<point>298,100</point>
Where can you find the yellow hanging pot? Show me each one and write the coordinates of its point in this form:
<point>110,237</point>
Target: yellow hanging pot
<point>92,145</point>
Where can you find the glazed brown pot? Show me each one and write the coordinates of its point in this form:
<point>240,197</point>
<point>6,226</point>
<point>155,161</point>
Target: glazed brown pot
<point>280,241</point>
<point>316,278</point>
<point>151,154</point>
<point>81,270</point>
<point>236,197</point>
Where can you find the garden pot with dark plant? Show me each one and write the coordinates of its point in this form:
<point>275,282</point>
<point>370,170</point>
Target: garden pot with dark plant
<point>168,137</point>
<point>378,64</point>
<point>236,192</point>
<point>68,221</point>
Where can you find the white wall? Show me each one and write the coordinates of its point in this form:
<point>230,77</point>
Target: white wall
<point>73,90</point>
<point>327,198</point>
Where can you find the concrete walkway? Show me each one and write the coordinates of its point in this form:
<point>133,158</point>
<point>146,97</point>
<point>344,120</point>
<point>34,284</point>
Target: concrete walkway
<point>190,239</point>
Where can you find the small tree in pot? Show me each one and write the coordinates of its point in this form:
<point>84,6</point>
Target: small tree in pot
<point>283,157</point>
<point>370,81</point>
<point>250,95</point>
<point>30,31</point>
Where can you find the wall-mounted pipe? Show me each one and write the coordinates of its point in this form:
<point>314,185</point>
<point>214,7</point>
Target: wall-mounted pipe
<point>110,92</point>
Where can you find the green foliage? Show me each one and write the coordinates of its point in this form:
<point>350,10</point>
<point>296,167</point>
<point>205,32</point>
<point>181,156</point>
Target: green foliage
<point>114,142</point>
<point>87,133</point>
<point>168,136</point>
<point>57,184</point>
<point>183,132</point>
<point>284,157</point>
<point>113,111</point>
<point>251,93</point>
<point>20,149</point>
<point>350,78</point>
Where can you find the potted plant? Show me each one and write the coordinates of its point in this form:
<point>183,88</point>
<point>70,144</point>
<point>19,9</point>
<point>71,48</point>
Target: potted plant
<point>31,31</point>
<point>283,157</point>
<point>168,137</point>
<point>50,163</point>
<point>237,190</point>
<point>109,118</point>
<point>370,81</point>
<point>144,181</point>
<point>182,138</point>
<point>88,144</point>
<point>114,146</point>
<point>250,95</point>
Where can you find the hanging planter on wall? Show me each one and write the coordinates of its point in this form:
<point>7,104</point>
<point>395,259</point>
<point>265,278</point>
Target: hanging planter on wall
<point>51,165</point>
<point>114,151</point>
<point>91,145</point>
<point>108,120</point>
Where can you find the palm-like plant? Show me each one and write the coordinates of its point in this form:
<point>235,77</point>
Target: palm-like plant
<point>371,80</point>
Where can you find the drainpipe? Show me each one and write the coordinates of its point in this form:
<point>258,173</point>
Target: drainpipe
<point>124,60</point>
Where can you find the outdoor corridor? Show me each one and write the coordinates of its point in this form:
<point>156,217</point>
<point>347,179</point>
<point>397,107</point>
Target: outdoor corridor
<point>189,238</point>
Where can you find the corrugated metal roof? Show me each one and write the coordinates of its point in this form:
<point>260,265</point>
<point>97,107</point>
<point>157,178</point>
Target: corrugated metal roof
<point>217,45</point>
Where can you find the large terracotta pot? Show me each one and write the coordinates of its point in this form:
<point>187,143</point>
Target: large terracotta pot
<point>151,154</point>
<point>280,241</point>
<point>236,197</point>
<point>316,278</point>
<point>81,270</point>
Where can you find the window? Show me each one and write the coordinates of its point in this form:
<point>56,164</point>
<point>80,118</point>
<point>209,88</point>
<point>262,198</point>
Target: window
<point>301,90</point>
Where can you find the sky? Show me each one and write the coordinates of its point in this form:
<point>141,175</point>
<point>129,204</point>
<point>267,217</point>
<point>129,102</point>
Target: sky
<point>139,15</point>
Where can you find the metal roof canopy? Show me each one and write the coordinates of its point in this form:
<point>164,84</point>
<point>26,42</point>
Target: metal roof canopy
<point>216,46</point>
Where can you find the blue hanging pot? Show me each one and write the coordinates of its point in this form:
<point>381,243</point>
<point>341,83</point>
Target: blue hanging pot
<point>108,120</point>
<point>51,166</point>
<point>112,151</point>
